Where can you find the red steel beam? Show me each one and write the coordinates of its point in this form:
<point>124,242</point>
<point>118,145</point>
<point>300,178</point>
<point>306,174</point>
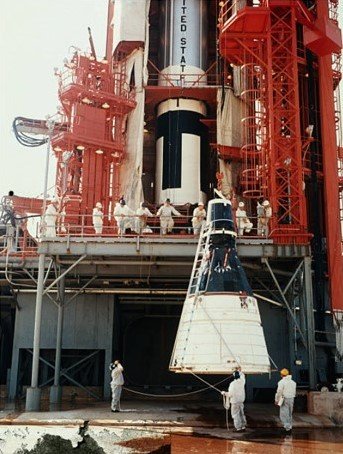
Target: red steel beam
<point>330,167</point>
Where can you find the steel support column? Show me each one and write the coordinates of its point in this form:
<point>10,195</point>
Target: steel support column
<point>330,167</point>
<point>33,393</point>
<point>56,389</point>
<point>285,299</point>
<point>310,332</point>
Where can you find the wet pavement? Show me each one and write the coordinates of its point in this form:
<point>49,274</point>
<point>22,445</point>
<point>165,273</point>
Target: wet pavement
<point>167,427</point>
<point>263,441</point>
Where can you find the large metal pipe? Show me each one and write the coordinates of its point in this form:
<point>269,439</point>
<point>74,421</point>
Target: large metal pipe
<point>119,291</point>
<point>59,333</point>
<point>38,322</point>
<point>127,263</point>
<point>33,393</point>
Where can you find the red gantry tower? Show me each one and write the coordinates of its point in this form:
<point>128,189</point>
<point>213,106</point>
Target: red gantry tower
<point>271,41</point>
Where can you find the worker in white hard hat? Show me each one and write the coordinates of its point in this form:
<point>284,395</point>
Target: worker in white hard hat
<point>199,217</point>
<point>284,398</point>
<point>243,223</point>
<point>165,213</point>
<point>117,383</point>
<point>50,218</point>
<point>264,218</point>
<point>97,218</point>
<point>143,213</point>
<point>124,216</point>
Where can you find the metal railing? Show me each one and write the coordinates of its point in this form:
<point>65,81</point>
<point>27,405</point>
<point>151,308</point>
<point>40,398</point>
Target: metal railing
<point>209,78</point>
<point>23,240</point>
<point>230,8</point>
<point>135,225</point>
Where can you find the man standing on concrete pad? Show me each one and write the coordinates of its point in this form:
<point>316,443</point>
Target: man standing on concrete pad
<point>117,383</point>
<point>237,397</point>
<point>284,398</point>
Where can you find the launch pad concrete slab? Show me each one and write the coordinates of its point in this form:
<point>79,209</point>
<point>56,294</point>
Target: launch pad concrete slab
<point>328,404</point>
<point>175,415</point>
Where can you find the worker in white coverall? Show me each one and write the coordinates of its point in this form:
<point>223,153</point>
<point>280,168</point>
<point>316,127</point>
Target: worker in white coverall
<point>123,216</point>
<point>165,213</point>
<point>265,218</point>
<point>199,217</point>
<point>143,213</point>
<point>50,218</point>
<point>260,216</point>
<point>236,394</point>
<point>97,218</point>
<point>284,398</point>
<point>243,223</point>
<point>117,383</point>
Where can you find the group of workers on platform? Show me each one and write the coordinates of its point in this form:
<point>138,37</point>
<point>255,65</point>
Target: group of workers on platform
<point>137,221</point>
<point>235,396</point>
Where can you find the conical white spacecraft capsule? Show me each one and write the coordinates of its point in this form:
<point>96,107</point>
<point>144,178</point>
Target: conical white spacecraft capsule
<point>220,326</point>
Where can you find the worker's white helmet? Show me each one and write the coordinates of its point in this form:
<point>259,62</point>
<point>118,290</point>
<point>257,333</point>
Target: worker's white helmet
<point>265,203</point>
<point>201,204</point>
<point>241,204</point>
<point>98,205</point>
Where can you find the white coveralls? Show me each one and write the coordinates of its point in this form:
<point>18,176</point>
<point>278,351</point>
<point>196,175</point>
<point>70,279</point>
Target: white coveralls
<point>237,397</point>
<point>166,221</point>
<point>122,216</point>
<point>243,222</point>
<point>116,386</point>
<point>50,217</point>
<point>260,218</point>
<point>264,221</point>
<point>97,220</point>
<point>198,219</point>
<point>286,388</point>
<point>143,213</point>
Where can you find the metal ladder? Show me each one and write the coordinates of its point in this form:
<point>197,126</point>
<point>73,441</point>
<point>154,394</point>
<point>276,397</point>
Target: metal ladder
<point>201,250</point>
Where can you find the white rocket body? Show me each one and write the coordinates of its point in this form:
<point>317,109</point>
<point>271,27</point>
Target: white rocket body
<point>220,326</point>
<point>182,142</point>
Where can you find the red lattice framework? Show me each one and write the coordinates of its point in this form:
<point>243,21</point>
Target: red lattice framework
<point>261,37</point>
<point>89,141</point>
<point>262,40</point>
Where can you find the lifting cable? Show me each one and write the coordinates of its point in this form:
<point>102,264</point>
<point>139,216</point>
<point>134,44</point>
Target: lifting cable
<point>226,401</point>
<point>162,396</point>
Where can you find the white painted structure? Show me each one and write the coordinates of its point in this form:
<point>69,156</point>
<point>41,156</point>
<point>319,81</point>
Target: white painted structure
<point>216,334</point>
<point>220,326</point>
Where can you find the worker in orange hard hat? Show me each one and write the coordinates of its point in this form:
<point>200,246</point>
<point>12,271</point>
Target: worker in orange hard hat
<point>284,398</point>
